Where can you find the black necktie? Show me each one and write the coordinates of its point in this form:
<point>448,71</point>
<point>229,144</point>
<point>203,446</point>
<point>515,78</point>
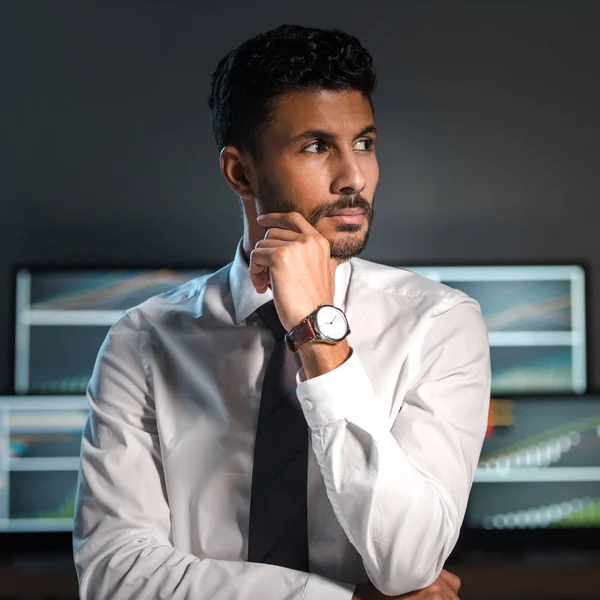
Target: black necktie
<point>278,521</point>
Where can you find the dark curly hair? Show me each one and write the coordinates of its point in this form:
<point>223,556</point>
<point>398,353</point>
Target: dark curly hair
<point>289,58</point>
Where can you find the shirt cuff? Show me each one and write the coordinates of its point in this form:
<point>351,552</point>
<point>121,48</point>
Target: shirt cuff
<point>342,393</point>
<point>318,587</point>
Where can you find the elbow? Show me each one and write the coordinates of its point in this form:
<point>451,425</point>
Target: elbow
<point>402,568</point>
<point>404,581</point>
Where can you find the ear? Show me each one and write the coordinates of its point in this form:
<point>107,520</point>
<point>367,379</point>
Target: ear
<point>235,166</point>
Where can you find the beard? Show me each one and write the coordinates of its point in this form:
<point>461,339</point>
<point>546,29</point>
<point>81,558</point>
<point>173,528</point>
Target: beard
<point>342,247</point>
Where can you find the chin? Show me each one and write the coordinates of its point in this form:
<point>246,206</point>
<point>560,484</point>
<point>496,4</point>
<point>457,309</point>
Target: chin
<point>347,242</point>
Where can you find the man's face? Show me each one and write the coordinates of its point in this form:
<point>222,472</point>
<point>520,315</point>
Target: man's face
<point>318,159</point>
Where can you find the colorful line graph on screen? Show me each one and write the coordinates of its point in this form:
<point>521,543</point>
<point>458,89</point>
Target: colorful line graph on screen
<point>540,467</point>
<point>553,313</point>
<point>577,512</point>
<point>550,447</point>
<point>110,290</point>
<point>526,369</point>
<point>522,305</point>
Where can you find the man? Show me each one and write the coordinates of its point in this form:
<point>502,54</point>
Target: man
<point>302,423</point>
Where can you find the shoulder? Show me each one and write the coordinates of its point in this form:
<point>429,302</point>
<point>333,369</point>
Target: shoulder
<point>440,324</point>
<point>189,301</point>
<point>405,288</point>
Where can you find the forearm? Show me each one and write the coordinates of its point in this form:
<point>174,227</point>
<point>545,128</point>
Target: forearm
<point>157,571</point>
<point>399,483</point>
<point>401,521</point>
<point>416,511</point>
<point>319,358</point>
<point>412,512</point>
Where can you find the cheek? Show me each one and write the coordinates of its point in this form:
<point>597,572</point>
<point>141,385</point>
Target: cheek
<point>306,181</point>
<point>314,180</point>
<point>372,171</point>
<point>372,174</point>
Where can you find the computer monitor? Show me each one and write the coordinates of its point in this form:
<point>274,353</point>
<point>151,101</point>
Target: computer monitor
<point>537,487</point>
<point>539,468</point>
<point>40,440</point>
<point>540,465</point>
<point>536,317</point>
<point>63,316</point>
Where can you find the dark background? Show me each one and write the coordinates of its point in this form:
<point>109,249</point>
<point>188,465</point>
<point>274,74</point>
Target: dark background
<point>488,113</point>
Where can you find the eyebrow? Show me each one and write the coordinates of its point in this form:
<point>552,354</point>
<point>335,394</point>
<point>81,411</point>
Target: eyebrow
<point>311,134</point>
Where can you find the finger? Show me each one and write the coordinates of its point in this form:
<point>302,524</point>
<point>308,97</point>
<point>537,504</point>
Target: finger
<point>271,243</point>
<point>277,233</point>
<point>260,260</point>
<point>452,580</point>
<point>290,220</point>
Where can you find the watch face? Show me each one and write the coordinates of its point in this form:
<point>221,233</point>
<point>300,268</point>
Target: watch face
<point>331,322</point>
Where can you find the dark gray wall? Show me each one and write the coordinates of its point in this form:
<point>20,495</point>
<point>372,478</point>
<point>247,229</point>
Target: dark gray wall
<point>489,114</point>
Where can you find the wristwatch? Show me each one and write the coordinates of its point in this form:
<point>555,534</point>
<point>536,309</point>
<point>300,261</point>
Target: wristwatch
<point>326,324</point>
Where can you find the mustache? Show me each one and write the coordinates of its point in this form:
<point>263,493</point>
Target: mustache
<point>345,202</point>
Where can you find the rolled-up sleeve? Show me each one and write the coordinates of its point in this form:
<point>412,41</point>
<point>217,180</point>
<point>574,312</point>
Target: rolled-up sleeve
<point>399,490</point>
<point>122,536</point>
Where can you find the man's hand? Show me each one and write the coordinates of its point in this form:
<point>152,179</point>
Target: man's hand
<point>294,258</point>
<point>445,587</point>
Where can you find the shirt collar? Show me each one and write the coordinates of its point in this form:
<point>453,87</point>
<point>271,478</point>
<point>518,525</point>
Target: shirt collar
<point>246,299</point>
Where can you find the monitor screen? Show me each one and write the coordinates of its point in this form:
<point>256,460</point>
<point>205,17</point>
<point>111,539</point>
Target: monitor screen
<point>540,465</point>
<point>535,316</point>
<point>536,321</point>
<point>72,311</point>
<point>40,438</point>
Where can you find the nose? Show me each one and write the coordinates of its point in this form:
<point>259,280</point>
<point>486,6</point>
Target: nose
<point>349,177</point>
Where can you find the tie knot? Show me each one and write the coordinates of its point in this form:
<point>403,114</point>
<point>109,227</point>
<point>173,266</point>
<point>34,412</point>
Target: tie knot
<point>268,313</point>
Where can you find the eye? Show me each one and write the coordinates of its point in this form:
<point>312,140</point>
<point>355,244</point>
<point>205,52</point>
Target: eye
<point>367,143</point>
<point>315,148</point>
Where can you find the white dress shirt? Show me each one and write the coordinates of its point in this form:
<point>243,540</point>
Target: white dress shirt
<point>166,461</point>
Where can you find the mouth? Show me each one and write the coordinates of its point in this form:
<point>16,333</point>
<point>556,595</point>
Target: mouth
<point>348,215</point>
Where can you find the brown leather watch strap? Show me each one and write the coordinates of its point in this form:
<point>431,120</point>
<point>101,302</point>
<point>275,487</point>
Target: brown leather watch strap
<point>300,334</point>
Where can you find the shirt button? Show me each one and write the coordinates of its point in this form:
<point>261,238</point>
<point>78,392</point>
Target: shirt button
<point>308,405</point>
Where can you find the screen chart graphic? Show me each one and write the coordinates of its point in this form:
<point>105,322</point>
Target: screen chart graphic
<point>542,468</point>
<point>40,442</point>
